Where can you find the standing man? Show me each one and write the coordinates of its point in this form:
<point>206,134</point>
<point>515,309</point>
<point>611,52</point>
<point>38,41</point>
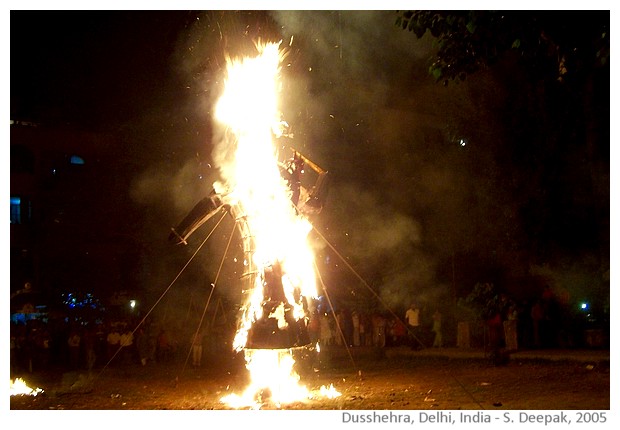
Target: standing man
<point>113,341</point>
<point>74,348</point>
<point>326,330</point>
<point>127,346</point>
<point>355,319</point>
<point>412,316</point>
<point>142,344</point>
<point>197,340</point>
<point>438,342</point>
<point>89,348</point>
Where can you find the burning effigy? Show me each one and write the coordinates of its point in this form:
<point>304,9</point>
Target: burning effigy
<point>270,206</point>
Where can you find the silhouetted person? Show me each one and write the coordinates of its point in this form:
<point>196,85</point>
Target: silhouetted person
<point>378,330</point>
<point>164,347</point>
<point>197,340</point>
<point>438,341</point>
<point>538,315</point>
<point>113,342</point>
<point>73,342</point>
<point>89,349</point>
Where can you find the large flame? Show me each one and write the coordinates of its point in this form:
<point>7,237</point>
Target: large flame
<point>261,201</point>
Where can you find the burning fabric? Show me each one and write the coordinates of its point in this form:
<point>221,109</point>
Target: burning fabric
<point>20,388</point>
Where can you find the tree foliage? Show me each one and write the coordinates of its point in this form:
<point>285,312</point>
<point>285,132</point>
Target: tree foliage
<point>556,45</point>
<point>483,301</point>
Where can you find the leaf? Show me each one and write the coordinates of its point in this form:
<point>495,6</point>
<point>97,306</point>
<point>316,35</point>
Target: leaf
<point>418,30</point>
<point>435,72</point>
<point>516,44</point>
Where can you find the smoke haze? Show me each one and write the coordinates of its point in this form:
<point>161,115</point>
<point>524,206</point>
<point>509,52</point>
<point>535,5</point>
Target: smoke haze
<point>422,186</point>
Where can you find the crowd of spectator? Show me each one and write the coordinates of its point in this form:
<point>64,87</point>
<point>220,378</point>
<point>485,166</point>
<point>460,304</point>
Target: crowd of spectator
<point>39,345</point>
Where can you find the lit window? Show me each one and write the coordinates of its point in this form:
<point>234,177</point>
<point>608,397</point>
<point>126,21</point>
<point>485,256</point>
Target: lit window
<point>20,210</point>
<point>16,210</point>
<point>75,159</point>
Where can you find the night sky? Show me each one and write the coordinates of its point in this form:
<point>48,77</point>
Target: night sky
<point>434,188</point>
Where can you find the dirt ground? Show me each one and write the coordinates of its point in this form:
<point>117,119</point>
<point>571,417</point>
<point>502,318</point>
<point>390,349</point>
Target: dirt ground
<point>369,380</point>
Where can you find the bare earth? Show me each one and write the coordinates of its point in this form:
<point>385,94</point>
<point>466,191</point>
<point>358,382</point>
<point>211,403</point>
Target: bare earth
<point>394,379</point>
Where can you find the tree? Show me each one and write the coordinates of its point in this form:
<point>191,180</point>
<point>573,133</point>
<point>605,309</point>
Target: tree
<point>554,66</point>
<point>483,301</point>
<point>556,45</point>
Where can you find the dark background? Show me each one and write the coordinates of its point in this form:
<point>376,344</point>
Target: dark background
<point>503,177</point>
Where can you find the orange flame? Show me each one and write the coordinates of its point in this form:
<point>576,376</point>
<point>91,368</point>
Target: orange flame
<point>20,388</point>
<point>260,199</point>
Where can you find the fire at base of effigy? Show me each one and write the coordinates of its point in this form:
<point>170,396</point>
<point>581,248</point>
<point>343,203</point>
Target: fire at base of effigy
<point>274,382</point>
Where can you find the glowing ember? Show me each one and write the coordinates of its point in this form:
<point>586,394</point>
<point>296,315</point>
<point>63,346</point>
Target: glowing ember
<point>279,261</point>
<point>329,392</point>
<point>20,388</point>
